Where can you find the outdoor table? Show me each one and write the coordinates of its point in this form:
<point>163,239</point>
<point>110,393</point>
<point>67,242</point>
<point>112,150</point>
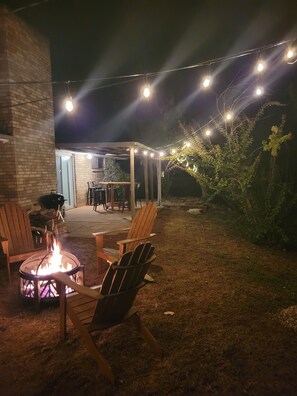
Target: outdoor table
<point>110,187</point>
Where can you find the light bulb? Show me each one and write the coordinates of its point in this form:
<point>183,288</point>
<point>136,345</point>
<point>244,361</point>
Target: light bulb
<point>188,144</point>
<point>89,156</point>
<point>228,116</point>
<point>290,53</point>
<point>161,153</point>
<point>145,152</point>
<point>146,92</point>
<point>208,132</point>
<point>206,83</point>
<point>69,105</point>
<point>173,151</point>
<point>260,66</point>
<point>152,154</point>
<point>259,91</point>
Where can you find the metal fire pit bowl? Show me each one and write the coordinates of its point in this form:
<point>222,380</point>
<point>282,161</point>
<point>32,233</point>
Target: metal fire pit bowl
<point>43,288</point>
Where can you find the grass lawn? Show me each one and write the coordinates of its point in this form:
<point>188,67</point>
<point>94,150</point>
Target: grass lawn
<point>233,330</point>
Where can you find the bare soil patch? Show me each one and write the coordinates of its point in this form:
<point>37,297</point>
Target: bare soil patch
<point>233,331</point>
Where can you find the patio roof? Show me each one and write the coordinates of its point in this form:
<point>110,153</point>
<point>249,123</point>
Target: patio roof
<point>117,149</point>
<point>124,150</point>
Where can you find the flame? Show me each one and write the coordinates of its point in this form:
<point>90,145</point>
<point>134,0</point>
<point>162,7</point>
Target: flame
<point>53,263</point>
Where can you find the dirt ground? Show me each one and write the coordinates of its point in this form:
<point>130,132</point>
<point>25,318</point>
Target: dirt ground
<point>233,330</point>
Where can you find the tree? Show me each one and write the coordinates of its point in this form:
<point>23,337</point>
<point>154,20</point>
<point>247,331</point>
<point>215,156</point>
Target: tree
<point>235,169</point>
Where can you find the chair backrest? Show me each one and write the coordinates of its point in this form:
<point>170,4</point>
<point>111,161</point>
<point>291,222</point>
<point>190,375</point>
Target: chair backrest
<point>121,284</point>
<point>15,226</point>
<point>142,224</point>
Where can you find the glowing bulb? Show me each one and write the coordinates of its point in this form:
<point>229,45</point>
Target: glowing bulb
<point>260,66</point>
<point>173,151</point>
<point>89,156</point>
<point>290,53</point>
<point>161,153</point>
<point>69,105</point>
<point>259,91</point>
<point>206,83</point>
<point>188,144</point>
<point>146,92</point>
<point>228,116</point>
<point>152,154</point>
<point>208,132</point>
<point>145,152</point>
<point>136,151</point>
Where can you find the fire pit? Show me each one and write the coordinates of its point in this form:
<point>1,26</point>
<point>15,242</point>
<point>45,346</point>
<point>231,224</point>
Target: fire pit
<point>36,282</point>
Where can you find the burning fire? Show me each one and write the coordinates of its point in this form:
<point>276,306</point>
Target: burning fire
<point>52,262</point>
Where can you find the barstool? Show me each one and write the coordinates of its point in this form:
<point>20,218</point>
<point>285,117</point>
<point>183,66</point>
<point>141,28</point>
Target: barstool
<point>90,193</point>
<point>99,198</point>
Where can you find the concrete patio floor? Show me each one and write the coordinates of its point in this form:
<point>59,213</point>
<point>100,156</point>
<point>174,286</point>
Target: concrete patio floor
<point>83,221</point>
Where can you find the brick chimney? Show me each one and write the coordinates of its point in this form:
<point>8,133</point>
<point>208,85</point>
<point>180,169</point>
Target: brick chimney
<point>27,137</point>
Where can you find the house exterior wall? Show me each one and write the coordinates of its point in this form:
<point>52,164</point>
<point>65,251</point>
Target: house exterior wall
<point>27,159</point>
<point>84,174</point>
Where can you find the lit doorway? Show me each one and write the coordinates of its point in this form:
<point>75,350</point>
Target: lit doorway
<point>65,178</point>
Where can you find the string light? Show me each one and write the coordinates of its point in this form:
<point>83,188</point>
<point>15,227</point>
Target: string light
<point>161,154</point>
<point>261,66</point>
<point>69,105</point>
<point>259,91</point>
<point>146,91</point>
<point>152,155</point>
<point>229,116</point>
<point>173,151</point>
<point>206,82</point>
<point>89,156</point>
<point>207,132</point>
<point>145,152</point>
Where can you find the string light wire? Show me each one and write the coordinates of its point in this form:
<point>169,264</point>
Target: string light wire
<point>155,73</point>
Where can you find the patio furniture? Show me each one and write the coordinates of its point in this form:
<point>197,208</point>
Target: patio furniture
<point>90,192</point>
<point>99,197</point>
<point>140,231</point>
<point>115,193</point>
<point>95,309</point>
<point>16,237</point>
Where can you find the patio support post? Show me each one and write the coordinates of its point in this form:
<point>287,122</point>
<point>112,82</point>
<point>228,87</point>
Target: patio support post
<point>158,166</point>
<point>146,183</point>
<point>151,174</point>
<point>132,181</point>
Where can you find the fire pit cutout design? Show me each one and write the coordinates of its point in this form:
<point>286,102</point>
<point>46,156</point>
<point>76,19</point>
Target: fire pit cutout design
<point>36,282</point>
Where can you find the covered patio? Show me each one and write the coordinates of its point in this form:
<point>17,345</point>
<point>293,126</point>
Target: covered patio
<point>125,150</point>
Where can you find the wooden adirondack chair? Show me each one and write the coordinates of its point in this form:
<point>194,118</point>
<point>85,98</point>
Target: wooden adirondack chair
<point>93,309</point>
<point>16,235</point>
<point>140,231</point>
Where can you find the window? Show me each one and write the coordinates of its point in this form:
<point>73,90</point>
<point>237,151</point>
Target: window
<point>97,163</point>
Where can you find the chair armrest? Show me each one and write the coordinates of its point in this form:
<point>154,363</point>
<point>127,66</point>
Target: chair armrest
<point>65,280</point>
<point>126,241</point>
<point>4,244</point>
<point>110,232</point>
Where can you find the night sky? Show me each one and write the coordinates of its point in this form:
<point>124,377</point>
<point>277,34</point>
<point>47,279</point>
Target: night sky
<point>91,41</point>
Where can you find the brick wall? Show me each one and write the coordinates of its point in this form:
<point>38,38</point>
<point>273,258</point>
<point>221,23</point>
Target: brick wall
<point>83,175</point>
<point>27,161</point>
